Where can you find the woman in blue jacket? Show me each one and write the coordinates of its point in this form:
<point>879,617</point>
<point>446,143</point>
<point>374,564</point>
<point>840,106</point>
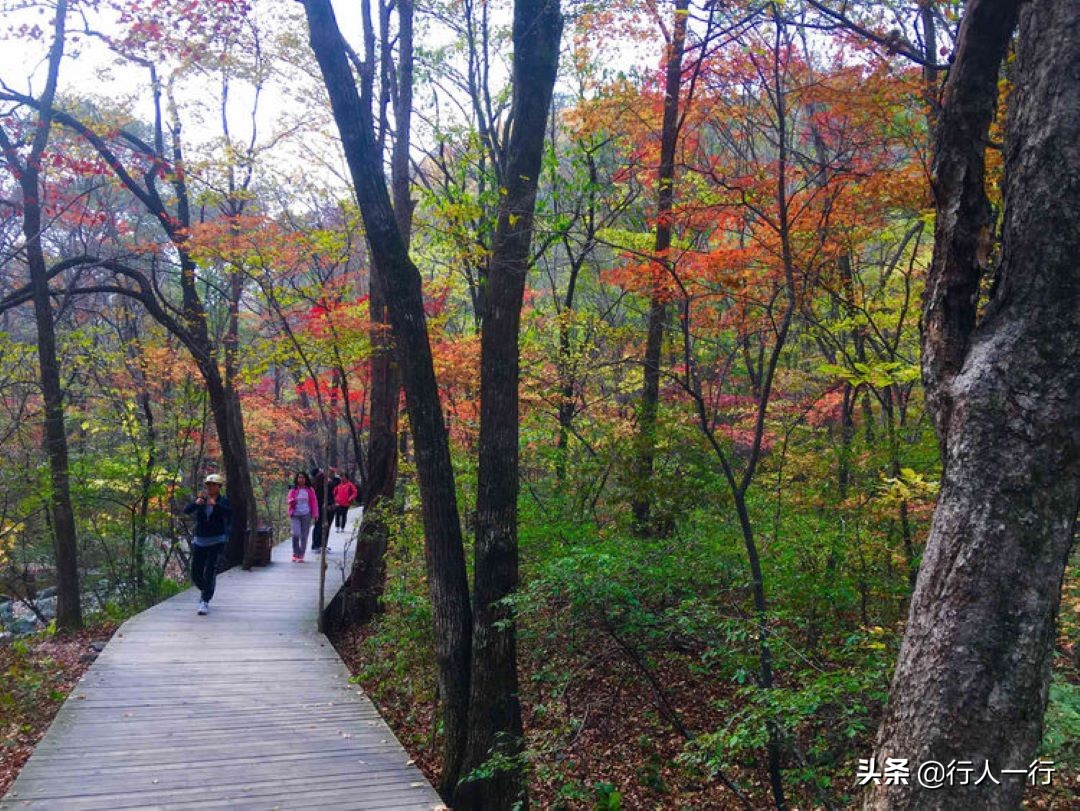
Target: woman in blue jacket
<point>213,519</point>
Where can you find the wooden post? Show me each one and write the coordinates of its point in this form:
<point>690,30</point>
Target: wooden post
<point>325,538</point>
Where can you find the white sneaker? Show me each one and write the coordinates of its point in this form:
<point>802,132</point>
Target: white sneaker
<point>204,607</point>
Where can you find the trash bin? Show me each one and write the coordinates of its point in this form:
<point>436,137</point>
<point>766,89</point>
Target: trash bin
<point>264,542</point>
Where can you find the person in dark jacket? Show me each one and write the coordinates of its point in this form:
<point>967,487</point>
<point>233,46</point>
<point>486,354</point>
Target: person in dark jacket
<point>318,484</point>
<point>213,520</point>
<point>331,507</point>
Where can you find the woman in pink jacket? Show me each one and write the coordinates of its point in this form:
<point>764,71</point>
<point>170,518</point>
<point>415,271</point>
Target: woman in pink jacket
<point>303,508</point>
<point>344,494</point>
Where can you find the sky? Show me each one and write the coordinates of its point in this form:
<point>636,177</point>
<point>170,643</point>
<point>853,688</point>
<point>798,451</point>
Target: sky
<point>292,120</point>
<point>91,70</point>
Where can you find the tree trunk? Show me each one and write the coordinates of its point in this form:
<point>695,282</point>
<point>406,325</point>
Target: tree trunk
<point>361,596</point>
<point>973,674</point>
<point>641,502</point>
<point>962,236</point>
<point>495,727</point>
<point>444,552</point>
<point>65,546</point>
<point>228,423</point>
<point>564,364</point>
<point>68,609</point>
<point>229,420</point>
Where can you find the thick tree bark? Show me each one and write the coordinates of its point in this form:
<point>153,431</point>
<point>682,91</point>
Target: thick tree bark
<point>973,674</point>
<point>65,546</point>
<point>495,726</point>
<point>445,556</point>
<point>962,237</point>
<point>650,390</point>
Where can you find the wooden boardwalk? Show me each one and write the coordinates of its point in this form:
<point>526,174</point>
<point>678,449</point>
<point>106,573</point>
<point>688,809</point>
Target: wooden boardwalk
<point>247,707</point>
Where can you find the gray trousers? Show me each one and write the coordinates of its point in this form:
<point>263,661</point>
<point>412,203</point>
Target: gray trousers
<point>301,526</point>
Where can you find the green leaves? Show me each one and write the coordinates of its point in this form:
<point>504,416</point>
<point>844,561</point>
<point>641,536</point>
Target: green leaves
<point>877,374</point>
<point>908,486</point>
<point>606,797</point>
<point>1061,738</point>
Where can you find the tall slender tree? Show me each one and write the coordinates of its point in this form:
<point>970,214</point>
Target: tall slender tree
<point>495,728</point>
<point>444,550</point>
<point>361,596</point>
<point>665,199</point>
<point>28,172</point>
<point>493,712</point>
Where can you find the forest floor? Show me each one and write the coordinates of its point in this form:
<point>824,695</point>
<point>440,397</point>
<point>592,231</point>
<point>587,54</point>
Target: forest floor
<point>597,740</point>
<point>36,675</point>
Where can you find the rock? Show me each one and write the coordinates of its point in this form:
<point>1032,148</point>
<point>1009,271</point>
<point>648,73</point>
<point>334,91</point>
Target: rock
<point>47,607</point>
<point>88,657</point>
<point>99,644</point>
<point>23,626</point>
<point>45,594</point>
<point>5,638</point>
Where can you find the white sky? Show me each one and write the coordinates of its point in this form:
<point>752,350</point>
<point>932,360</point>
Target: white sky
<point>293,100</point>
<point>90,70</point>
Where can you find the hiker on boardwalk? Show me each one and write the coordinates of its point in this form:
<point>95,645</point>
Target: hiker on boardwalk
<point>303,508</point>
<point>213,520</point>
<point>344,494</point>
<point>332,481</point>
<point>318,484</point>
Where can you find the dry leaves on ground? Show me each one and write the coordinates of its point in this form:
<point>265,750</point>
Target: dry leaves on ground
<point>36,675</point>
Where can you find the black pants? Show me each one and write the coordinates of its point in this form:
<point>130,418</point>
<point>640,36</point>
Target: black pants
<point>341,517</point>
<point>204,568</point>
<point>317,530</point>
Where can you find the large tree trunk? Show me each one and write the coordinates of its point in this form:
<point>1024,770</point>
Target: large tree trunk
<point>444,552</point>
<point>972,679</point>
<point>230,428</point>
<point>229,418</point>
<point>495,727</point>
<point>650,390</point>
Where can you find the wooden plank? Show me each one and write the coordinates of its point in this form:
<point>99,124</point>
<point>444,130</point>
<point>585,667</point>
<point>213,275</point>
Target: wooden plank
<point>247,707</point>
